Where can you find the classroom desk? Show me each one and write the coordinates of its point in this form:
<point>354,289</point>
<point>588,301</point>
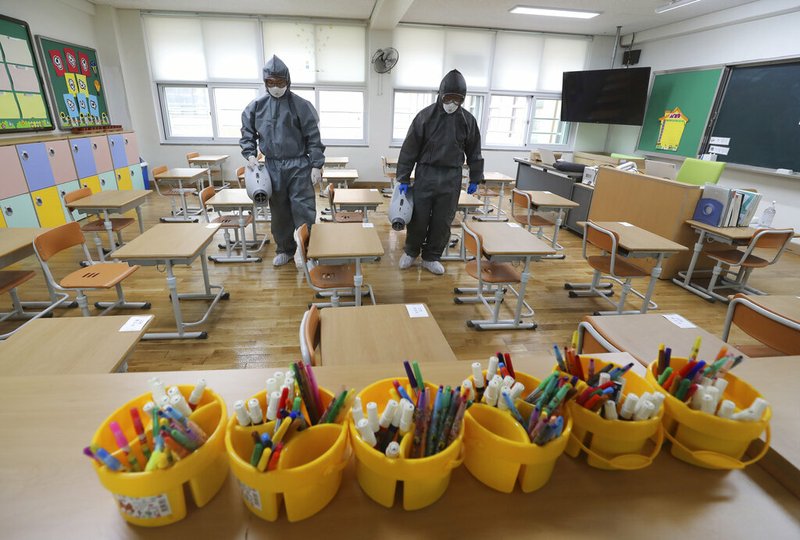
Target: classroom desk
<point>772,319</point>
<point>181,175</point>
<point>105,203</point>
<point>51,490</point>
<point>238,200</point>
<point>70,346</point>
<point>358,336</point>
<point>535,175</point>
<point>336,162</point>
<point>548,201</point>
<point>466,202</point>
<point>343,243</point>
<point>634,242</point>
<point>640,336</point>
<point>506,242</point>
<point>342,177</point>
<point>500,180</point>
<point>169,245</point>
<point>209,161</point>
<point>358,199</point>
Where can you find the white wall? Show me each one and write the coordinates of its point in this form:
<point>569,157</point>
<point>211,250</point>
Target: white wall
<point>764,38</point>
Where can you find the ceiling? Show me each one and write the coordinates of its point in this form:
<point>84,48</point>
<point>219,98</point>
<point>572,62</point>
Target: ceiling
<point>632,15</point>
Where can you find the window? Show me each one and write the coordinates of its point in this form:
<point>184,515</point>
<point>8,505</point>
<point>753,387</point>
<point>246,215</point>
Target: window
<point>408,104</point>
<point>546,126</point>
<point>508,116</point>
<point>341,115</point>
<point>187,111</point>
<point>228,106</point>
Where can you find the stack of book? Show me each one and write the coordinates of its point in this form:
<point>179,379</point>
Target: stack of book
<point>726,207</point>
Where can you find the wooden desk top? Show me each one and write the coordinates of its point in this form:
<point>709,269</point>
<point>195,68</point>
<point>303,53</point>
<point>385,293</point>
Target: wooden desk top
<point>16,243</point>
<point>340,174</point>
<point>465,200</point>
<point>633,238</point>
<point>230,197</point>
<point>182,173</point>
<point>550,200</point>
<point>657,501</point>
<point>358,197</point>
<point>337,160</point>
<point>69,345</point>
<point>497,177</point>
<point>507,239</point>
<point>787,306</point>
<point>344,241</point>
<point>112,199</point>
<point>737,234</point>
<point>640,336</point>
<point>168,241</point>
<point>209,158</point>
<point>383,334</point>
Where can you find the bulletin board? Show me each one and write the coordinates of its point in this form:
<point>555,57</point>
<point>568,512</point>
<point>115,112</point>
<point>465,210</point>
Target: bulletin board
<point>678,110</point>
<point>75,84</point>
<point>23,106</point>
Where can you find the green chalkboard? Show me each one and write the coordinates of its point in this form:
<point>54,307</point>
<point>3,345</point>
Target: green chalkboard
<point>75,83</point>
<point>758,119</point>
<point>693,93</point>
<point>23,106</point>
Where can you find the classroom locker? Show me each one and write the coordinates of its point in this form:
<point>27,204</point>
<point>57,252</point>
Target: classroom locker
<point>63,189</point>
<point>2,221</point>
<point>83,157</point>
<point>61,164</point>
<point>123,178</point>
<point>49,207</point>
<point>12,179</point>
<point>35,163</point>
<point>137,179</point>
<point>108,181</point>
<point>18,211</point>
<point>101,153</point>
<point>117,145</point>
<point>131,148</point>
<point>92,182</point>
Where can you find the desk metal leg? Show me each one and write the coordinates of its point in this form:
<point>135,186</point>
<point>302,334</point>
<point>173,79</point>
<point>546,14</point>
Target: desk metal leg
<point>654,275</point>
<point>183,214</point>
<point>507,324</point>
<point>139,218</point>
<point>686,282</point>
<point>358,280</point>
<point>242,244</point>
<point>109,226</point>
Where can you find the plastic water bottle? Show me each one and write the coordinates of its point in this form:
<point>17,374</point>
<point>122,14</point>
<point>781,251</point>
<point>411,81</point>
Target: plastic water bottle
<point>767,216</point>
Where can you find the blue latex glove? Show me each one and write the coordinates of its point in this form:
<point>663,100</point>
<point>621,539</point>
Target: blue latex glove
<point>472,188</point>
<point>403,189</point>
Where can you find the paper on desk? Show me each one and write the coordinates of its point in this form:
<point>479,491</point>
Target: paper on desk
<point>416,311</point>
<point>135,323</point>
<point>679,321</point>
<point>514,225</point>
<point>373,189</point>
<point>368,225</point>
<point>212,226</point>
<point>625,224</point>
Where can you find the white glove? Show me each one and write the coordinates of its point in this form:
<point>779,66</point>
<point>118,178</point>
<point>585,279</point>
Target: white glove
<point>316,176</point>
<point>252,163</point>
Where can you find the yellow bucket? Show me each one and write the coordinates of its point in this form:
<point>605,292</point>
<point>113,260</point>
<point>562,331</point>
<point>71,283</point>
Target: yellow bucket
<point>308,473</point>
<point>614,444</point>
<point>498,451</point>
<point>156,498</point>
<point>424,479</point>
<point>707,440</point>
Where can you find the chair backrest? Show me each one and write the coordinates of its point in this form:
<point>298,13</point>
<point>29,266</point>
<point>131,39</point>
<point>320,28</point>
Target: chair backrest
<point>602,239</point>
<point>160,169</point>
<point>522,200</point>
<point>239,172</point>
<point>700,172</point>
<point>58,239</point>
<point>770,329</point>
<point>190,155</point>
<point>73,196</point>
<point>206,194</point>
<point>301,238</point>
<point>775,240</point>
<point>311,334</point>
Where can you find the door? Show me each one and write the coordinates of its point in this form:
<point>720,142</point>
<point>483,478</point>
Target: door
<point>49,207</point>
<point>18,211</point>
<point>123,178</point>
<point>101,153</point>
<point>137,179</point>
<point>60,156</point>
<point>92,182</point>
<point>131,148</point>
<point>63,189</point>
<point>83,157</point>
<point>12,180</point>
<point>38,174</point>
<point>117,145</point>
<point>108,181</point>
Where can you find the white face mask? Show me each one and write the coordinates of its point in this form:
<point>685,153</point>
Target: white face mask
<point>450,108</point>
<point>276,91</point>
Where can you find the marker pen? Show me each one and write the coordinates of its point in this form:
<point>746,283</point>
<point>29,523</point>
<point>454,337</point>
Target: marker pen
<point>123,445</point>
<point>468,389</point>
<point>372,416</point>
<point>508,381</point>
<point>610,410</point>
<point>491,370</point>
<point>254,410</point>
<point>157,388</point>
<point>364,429</point>
<point>410,375</point>
<point>477,376</point>
<point>163,402</point>
<point>241,413</point>
<point>502,401</point>
<point>603,378</point>
<point>197,393</point>
<point>110,461</point>
<point>646,411</point>
<point>264,461</point>
<point>272,406</point>
<point>715,394</point>
<point>176,448</point>
<point>393,450</point>
<point>707,404</point>
<point>406,416</point>
<point>492,393</point>
<point>138,426</point>
<point>388,414</point>
<point>357,411</point>
<point>726,409</point>
<point>697,398</point>
<point>629,406</point>
<point>276,455</point>
<point>179,402</point>
<point>279,377</point>
<point>721,385</point>
<point>658,399</point>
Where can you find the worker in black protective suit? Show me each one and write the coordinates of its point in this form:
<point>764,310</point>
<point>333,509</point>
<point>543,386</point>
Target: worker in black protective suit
<point>439,138</point>
<point>286,129</point>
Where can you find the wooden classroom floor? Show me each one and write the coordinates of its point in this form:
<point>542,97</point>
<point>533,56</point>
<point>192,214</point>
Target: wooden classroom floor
<point>258,326</point>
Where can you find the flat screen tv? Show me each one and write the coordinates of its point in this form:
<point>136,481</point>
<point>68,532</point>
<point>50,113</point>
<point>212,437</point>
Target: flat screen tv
<point>605,96</point>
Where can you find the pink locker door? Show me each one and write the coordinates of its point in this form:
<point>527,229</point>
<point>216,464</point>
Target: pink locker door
<point>131,148</point>
<point>102,154</point>
<point>12,180</point>
<point>58,152</point>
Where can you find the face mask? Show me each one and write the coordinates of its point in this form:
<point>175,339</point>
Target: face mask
<point>450,108</point>
<point>276,91</point>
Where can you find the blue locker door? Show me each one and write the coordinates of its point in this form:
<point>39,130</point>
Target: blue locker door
<point>36,165</point>
<point>83,157</point>
<point>118,154</point>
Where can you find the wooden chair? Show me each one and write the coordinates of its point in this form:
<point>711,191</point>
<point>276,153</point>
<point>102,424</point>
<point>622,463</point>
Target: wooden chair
<point>172,193</point>
<point>772,242</point>
<point>494,278</point>
<point>96,276</point>
<point>779,334</point>
<point>391,174</point>
<point>227,222</point>
<point>310,336</point>
<point>327,279</point>
<point>190,155</point>
<point>9,281</point>
<point>608,265</point>
<point>339,216</point>
<point>98,226</point>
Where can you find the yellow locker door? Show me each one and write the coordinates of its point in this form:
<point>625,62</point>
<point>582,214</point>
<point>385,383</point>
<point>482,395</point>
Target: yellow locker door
<point>92,182</point>
<point>48,207</point>
<point>2,221</point>
<point>123,178</point>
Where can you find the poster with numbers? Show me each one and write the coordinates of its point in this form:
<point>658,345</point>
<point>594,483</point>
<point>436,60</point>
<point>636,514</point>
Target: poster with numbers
<point>23,106</point>
<point>75,83</point>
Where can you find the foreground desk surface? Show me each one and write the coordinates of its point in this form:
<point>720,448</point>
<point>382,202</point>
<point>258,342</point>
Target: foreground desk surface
<point>51,491</point>
<point>637,239</point>
<point>111,200</point>
<point>382,334</point>
<point>509,239</point>
<point>182,173</point>
<point>69,345</point>
<point>343,240</point>
<point>168,241</point>
<point>358,197</point>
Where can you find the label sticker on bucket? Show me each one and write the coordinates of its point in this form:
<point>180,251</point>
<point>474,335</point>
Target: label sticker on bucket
<point>144,507</point>
<point>250,495</point>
